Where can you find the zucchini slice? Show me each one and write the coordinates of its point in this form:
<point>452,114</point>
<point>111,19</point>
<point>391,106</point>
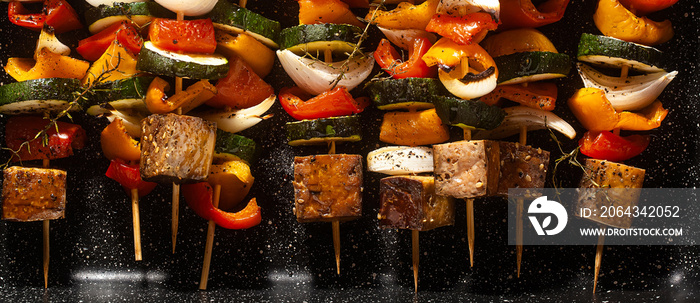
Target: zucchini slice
<point>316,38</point>
<point>38,96</point>
<point>468,113</point>
<point>531,66</point>
<point>230,146</point>
<point>231,18</point>
<point>611,52</point>
<point>324,130</point>
<point>130,88</point>
<point>408,93</point>
<point>141,13</point>
<point>192,66</point>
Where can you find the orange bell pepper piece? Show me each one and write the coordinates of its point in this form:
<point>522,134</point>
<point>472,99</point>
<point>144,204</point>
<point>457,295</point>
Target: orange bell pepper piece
<point>47,65</point>
<point>405,15</point>
<point>117,144</point>
<point>614,20</point>
<point>193,96</point>
<point>595,112</point>
<point>326,11</point>
<point>538,95</point>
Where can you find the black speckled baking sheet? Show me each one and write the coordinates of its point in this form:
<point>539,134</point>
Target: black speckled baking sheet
<point>284,261</point>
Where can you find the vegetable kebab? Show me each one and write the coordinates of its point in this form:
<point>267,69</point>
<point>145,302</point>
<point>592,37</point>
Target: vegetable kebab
<point>609,103</point>
<point>46,87</point>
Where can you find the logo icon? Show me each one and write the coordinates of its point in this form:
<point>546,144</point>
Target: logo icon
<point>543,206</point>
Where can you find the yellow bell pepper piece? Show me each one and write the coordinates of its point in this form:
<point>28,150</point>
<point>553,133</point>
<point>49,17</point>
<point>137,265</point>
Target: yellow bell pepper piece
<point>235,179</point>
<point>614,20</point>
<point>595,112</point>
<point>517,40</point>
<point>117,57</point>
<point>448,55</point>
<point>117,144</point>
<point>47,65</point>
<point>405,15</point>
<point>195,95</point>
<point>326,11</point>
<point>257,55</point>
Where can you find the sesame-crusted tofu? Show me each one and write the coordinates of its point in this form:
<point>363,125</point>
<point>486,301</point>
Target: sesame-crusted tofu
<point>623,185</point>
<point>522,166</point>
<point>410,202</point>
<point>328,187</point>
<point>33,194</point>
<point>466,169</point>
<point>176,148</point>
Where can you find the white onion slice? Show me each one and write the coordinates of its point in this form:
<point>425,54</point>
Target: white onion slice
<point>469,90</point>
<point>110,2</point>
<point>189,7</point>
<point>404,38</point>
<point>633,93</point>
<point>533,119</point>
<point>453,7</point>
<point>401,160</point>
<point>48,40</point>
<point>316,76</point>
<point>239,120</point>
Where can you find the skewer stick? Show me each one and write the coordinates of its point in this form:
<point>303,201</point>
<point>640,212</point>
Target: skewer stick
<point>137,223</point>
<point>46,241</point>
<point>598,259</point>
<point>210,242</point>
<point>470,213</point>
<point>519,214</point>
<point>242,3</point>
<point>176,187</point>
<point>416,257</point>
<point>335,223</point>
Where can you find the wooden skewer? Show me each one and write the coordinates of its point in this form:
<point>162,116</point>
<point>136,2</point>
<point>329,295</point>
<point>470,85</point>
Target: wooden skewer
<point>335,223</point>
<point>45,163</point>
<point>137,223</point>
<point>470,212</point>
<point>519,214</point>
<point>416,257</point>
<point>210,242</point>
<point>242,3</point>
<point>598,259</point>
<point>176,187</point>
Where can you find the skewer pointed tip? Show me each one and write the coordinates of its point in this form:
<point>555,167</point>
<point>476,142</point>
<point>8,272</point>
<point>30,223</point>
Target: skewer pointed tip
<point>470,230</point>
<point>336,244</point>
<point>416,256</point>
<point>598,260</point>
<point>175,213</point>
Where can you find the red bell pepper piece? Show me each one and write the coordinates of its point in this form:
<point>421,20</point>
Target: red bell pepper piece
<point>185,36</point>
<point>129,176</point>
<point>605,145</point>
<point>199,197</point>
<point>93,47</point>
<point>61,143</point>
<point>389,59</point>
<point>522,13</point>
<point>55,13</point>
<point>241,88</point>
<point>335,102</point>
<point>462,29</point>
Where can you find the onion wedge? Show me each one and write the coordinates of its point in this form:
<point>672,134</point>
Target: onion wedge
<point>453,7</point>
<point>97,3</point>
<point>401,160</point>
<point>238,120</point>
<point>315,76</point>
<point>632,93</point>
<point>48,40</point>
<point>470,88</point>
<point>189,7</point>
<point>404,38</point>
<point>533,119</point>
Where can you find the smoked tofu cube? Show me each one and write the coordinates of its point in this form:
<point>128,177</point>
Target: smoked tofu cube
<point>623,180</point>
<point>466,169</point>
<point>328,187</point>
<point>410,202</point>
<point>522,166</point>
<point>176,148</point>
<point>33,194</point>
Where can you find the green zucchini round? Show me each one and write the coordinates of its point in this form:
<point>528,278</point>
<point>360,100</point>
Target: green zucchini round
<point>531,66</point>
<point>612,52</point>
<point>192,66</point>
<point>233,144</point>
<point>231,18</point>
<point>101,17</point>
<point>324,130</point>
<point>408,93</point>
<point>38,96</point>
<point>316,38</point>
<point>472,114</point>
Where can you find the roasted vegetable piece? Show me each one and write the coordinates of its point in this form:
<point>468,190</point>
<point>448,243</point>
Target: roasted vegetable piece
<point>129,176</point>
<point>523,13</point>
<point>93,47</point>
<point>176,148</point>
<point>539,95</point>
<point>516,41</point>
<point>466,169</point>
<point>471,28</point>
<point>258,56</point>
<point>184,36</point>
<point>609,184</point>
<point>199,198</point>
<point>55,13</point>
<point>195,95</point>
<point>326,11</point>
<point>408,93</point>
<point>33,194</point>
<point>324,130</point>
<point>241,88</point>
<point>614,20</point>
<point>328,187</point>
<point>522,166</point>
<point>118,58</point>
<point>605,145</point>
<point>47,65</point>
<point>117,144</point>
<point>413,128</point>
<point>235,179</point>
<point>401,160</point>
<point>61,143</point>
<point>468,114</point>
<point>410,202</point>
<point>336,102</point>
<point>404,16</point>
<point>595,112</point>
<point>389,59</point>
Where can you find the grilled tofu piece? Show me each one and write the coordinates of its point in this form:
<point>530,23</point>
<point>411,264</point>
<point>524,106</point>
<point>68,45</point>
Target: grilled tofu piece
<point>176,148</point>
<point>33,194</point>
<point>623,183</point>
<point>328,187</point>
<point>466,169</point>
<point>522,166</point>
<point>410,202</point>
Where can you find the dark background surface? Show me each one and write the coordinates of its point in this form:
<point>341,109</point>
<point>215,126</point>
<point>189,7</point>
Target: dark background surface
<point>282,260</point>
